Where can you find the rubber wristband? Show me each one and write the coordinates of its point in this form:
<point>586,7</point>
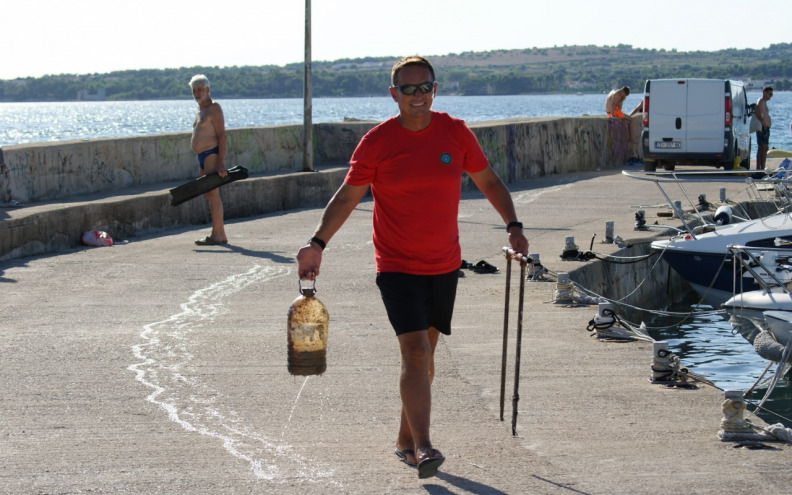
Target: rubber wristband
<point>318,242</point>
<point>513,224</point>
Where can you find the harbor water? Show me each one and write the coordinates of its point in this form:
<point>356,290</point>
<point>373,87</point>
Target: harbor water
<point>58,121</point>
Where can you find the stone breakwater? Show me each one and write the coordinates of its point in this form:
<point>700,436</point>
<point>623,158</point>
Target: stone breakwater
<point>121,185</point>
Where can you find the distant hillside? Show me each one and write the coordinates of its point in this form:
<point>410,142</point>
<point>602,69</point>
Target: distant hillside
<point>497,72</point>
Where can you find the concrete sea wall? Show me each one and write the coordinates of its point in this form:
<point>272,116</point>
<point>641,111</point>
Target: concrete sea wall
<point>121,185</point>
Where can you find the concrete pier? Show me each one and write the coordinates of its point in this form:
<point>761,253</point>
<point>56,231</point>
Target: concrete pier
<point>160,367</point>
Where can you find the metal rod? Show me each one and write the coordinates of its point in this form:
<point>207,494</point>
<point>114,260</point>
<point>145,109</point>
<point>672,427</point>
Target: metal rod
<point>516,397</point>
<point>505,336</point>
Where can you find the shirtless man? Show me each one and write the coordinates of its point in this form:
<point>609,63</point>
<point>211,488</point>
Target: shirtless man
<point>209,143</point>
<point>613,107</point>
<point>613,102</point>
<point>763,136</point>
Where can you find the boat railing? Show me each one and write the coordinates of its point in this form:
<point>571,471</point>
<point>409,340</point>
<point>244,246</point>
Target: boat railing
<point>771,267</point>
<point>776,180</point>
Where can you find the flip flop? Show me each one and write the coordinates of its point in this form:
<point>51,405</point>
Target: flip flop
<point>484,267</point>
<point>429,462</point>
<point>402,454</point>
<point>208,241</point>
<point>466,264</point>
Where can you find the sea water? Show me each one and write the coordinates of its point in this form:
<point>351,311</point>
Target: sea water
<point>58,121</point>
<point>709,346</point>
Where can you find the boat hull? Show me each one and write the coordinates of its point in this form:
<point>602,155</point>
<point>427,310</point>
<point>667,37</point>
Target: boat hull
<point>705,261</point>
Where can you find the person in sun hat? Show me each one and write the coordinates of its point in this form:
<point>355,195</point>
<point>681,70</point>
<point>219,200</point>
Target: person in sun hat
<point>413,163</point>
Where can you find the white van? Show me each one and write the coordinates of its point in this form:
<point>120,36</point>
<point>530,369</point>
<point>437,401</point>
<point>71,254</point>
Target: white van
<point>695,121</point>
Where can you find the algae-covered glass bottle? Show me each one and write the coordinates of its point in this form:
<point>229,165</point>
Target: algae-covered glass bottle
<point>307,333</point>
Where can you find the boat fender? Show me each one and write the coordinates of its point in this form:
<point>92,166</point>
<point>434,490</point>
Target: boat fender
<point>723,215</point>
<point>767,347</point>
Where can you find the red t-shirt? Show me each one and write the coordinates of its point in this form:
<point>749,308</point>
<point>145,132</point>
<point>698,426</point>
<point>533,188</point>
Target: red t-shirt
<point>415,180</point>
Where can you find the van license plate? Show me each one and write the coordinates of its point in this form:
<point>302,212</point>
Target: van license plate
<point>668,144</point>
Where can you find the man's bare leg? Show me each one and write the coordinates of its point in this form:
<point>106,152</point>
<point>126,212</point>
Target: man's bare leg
<point>417,373</point>
<point>215,203</point>
<point>761,156</point>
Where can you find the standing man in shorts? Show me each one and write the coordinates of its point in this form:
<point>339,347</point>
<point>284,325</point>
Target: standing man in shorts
<point>413,163</point>
<point>763,136</point>
<point>209,143</point>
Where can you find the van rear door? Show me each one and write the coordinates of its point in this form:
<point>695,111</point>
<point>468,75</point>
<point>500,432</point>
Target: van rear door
<point>668,109</point>
<point>705,115</point>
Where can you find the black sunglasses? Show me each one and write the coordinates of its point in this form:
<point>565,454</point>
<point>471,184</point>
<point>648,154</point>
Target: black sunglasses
<point>410,89</point>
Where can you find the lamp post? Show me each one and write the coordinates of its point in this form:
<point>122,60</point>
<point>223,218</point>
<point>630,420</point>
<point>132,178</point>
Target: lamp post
<point>307,96</point>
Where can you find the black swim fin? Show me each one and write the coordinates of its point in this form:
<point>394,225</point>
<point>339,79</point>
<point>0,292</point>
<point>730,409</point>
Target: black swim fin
<point>204,184</point>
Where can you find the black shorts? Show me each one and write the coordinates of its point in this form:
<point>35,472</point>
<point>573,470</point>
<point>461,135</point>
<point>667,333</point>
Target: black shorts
<point>763,136</point>
<point>417,302</point>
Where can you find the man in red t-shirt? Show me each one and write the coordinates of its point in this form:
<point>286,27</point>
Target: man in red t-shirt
<point>413,163</point>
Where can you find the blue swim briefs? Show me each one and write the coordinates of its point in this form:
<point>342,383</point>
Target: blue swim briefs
<point>202,155</point>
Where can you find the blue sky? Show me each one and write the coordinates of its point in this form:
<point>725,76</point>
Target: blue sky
<point>55,37</point>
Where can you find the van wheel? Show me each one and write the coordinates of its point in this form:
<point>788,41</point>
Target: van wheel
<point>669,166</point>
<point>650,165</point>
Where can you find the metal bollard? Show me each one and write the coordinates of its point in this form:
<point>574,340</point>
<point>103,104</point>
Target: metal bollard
<point>563,290</point>
<point>608,233</point>
<point>662,369</point>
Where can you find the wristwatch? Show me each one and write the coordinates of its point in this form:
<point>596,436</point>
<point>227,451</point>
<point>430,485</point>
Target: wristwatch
<point>513,224</point>
<point>319,242</point>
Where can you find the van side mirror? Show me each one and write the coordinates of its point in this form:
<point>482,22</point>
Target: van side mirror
<point>751,108</point>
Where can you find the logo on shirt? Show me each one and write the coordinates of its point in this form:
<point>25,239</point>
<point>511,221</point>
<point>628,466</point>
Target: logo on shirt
<point>445,158</point>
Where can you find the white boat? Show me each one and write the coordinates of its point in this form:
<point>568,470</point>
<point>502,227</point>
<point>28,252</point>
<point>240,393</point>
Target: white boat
<point>705,263</point>
<point>699,253</point>
<point>771,269</point>
<point>764,317</point>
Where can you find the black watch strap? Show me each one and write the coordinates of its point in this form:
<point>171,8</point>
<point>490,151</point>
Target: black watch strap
<point>319,242</point>
<point>514,224</point>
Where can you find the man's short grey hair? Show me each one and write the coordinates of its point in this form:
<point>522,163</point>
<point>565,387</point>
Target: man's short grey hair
<point>199,80</point>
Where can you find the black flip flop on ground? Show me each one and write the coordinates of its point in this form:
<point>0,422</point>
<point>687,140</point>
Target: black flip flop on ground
<point>484,267</point>
<point>208,241</point>
<point>429,463</point>
<point>402,454</point>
